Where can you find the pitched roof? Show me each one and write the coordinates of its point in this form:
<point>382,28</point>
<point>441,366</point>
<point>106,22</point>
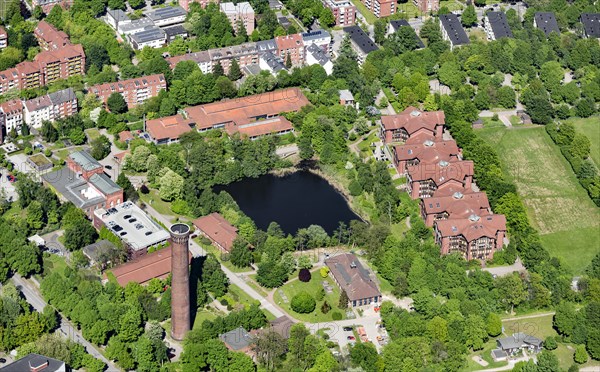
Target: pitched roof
<point>499,24</point>
<point>53,37</point>
<point>262,127</point>
<point>546,21</point>
<point>449,189</point>
<point>518,340</point>
<point>218,229</point>
<point>95,250</point>
<point>167,12</point>
<point>473,227</point>
<point>289,42</point>
<point>396,24</point>
<point>38,103</point>
<point>352,276</point>
<point>456,33</point>
<point>361,39</point>
<point>458,205</point>
<point>85,160</point>
<point>149,33</point>
<point>107,89</point>
<point>247,109</point>
<point>63,54</point>
<point>170,127</point>
<point>237,339</point>
<point>62,96</point>
<point>125,136</point>
<point>413,119</point>
<point>441,172</point>
<point>318,54</point>
<point>282,326</point>
<point>3,33</point>
<point>428,151</point>
<point>12,106</point>
<point>104,184</point>
<point>153,265</point>
<point>591,24</point>
<point>198,57</point>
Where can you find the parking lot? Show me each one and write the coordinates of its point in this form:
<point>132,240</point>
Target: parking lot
<point>8,188</point>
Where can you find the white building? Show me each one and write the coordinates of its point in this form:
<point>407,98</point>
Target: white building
<point>130,27</point>
<point>321,38</point>
<point>50,107</point>
<point>316,55</point>
<point>170,15</point>
<point>13,114</point>
<point>151,36</point>
<point>114,17</point>
<point>270,62</point>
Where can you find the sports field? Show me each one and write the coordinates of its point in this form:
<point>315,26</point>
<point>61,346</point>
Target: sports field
<point>557,205</point>
<point>591,128</point>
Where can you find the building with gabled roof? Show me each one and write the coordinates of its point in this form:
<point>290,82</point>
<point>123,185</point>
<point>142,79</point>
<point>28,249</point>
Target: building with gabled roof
<point>166,16</point>
<point>150,36</point>
<point>546,21</point>
<point>50,107</point>
<point>496,26</point>
<point>456,206</point>
<point>292,46</point>
<point>238,340</point>
<point>13,114</point>
<point>424,179</point>
<point>412,122</point>
<point>428,152</point>
<point>361,42</point>
<point>395,25</point>
<point>168,129</point>
<point>316,56</point>
<point>453,31</point>
<point>591,24</point>
<point>475,237</point>
<point>350,275</point>
<point>49,37</point>
<point>216,228</point>
<point>134,91</point>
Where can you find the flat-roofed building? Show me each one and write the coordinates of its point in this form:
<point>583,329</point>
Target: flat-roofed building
<point>173,32</point>
<point>412,122</point>
<point>455,206</point>
<point>320,38</point>
<point>129,27</point>
<point>546,21</point>
<point>496,26</point>
<point>49,38</point>
<point>51,107</point>
<point>216,228</point>
<point>343,11</point>
<point>423,180</point>
<point>591,25</point>
<point>350,275</point>
<point>133,226</point>
<point>453,31</point>
<point>168,129</point>
<point>361,42</point>
<point>427,6</point>
<point>134,91</point>
<point>475,237</point>
<point>36,363</point>
<point>151,36</point>
<point>169,15</point>
<point>240,13</point>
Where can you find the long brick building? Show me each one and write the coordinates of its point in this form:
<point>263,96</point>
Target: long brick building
<point>410,123</point>
<point>134,91</point>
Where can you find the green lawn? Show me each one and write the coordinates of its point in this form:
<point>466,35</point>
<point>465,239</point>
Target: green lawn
<point>217,253</point>
<point>591,128</point>
<point>54,263</point>
<point>155,202</point>
<point>204,314</point>
<point>556,203</point>
<point>370,17</point>
<point>236,296</point>
<point>92,133</point>
<point>485,354</point>
<point>540,327</point>
<point>313,286</point>
<point>452,5</point>
<point>252,284</point>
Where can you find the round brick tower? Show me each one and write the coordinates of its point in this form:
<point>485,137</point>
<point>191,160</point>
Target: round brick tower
<point>180,282</point>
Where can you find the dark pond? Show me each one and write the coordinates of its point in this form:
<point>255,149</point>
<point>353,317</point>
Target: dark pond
<point>294,201</point>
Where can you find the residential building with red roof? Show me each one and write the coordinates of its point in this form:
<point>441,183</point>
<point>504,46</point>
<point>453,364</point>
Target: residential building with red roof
<point>455,206</point>
<point>49,37</point>
<point>475,237</point>
<point>291,45</point>
<point>185,4</point>
<point>47,5</point>
<point>50,107</point>
<point>134,91</point>
<point>411,122</point>
<point>277,126</point>
<point>13,114</point>
<point>350,275</point>
<point>216,228</point>
<point>168,129</point>
<point>3,38</point>
<point>424,179</point>
<point>125,136</point>
<point>428,152</point>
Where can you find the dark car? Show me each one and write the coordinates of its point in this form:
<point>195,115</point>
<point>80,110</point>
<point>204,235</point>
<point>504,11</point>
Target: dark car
<point>351,338</point>
<point>347,329</point>
<point>2,360</point>
<point>107,167</point>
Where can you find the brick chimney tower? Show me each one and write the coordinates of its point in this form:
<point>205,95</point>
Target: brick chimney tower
<point>180,281</point>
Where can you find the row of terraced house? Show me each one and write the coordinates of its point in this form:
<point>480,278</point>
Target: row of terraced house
<point>437,174</point>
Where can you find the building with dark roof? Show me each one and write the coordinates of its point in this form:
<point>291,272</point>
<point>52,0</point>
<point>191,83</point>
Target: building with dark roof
<point>452,30</point>
<point>519,341</point>
<point>316,55</point>
<point>361,42</point>
<point>115,16</point>
<point>546,21</point>
<point>36,363</point>
<point>169,15</point>
<point>238,340</point>
<point>352,277</point>
<point>97,250</point>
<point>175,31</point>
<point>51,107</point>
<point>270,62</point>
<point>395,25</point>
<point>151,36</point>
<point>496,26</point>
<point>591,24</point>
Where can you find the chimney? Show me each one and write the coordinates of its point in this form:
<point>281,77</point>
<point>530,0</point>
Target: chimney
<point>38,365</point>
<point>180,282</point>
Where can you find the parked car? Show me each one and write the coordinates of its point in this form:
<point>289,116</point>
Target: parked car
<point>351,338</point>
<point>2,360</point>
<point>348,329</point>
<point>107,167</point>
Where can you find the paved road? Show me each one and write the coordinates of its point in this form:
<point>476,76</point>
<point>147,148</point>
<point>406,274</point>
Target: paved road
<point>287,150</point>
<point>32,295</point>
<point>198,251</point>
<point>506,270</point>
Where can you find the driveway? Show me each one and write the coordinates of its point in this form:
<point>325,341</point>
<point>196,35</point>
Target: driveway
<point>504,116</point>
<point>7,187</point>
<point>335,329</point>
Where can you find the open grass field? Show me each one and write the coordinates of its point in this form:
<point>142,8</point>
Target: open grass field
<point>290,289</point>
<point>557,205</point>
<point>591,128</point>
<point>369,17</point>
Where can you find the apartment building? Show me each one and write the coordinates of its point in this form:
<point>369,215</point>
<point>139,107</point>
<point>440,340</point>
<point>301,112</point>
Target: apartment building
<point>424,179</point>
<point>292,46</point>
<point>3,38</point>
<point>47,5</point>
<point>320,38</point>
<point>395,25</point>
<point>496,26</point>
<point>412,123</point>
<point>475,237</point>
<point>316,55</point>
<point>239,13</point>
<point>428,152</point>
<point>47,67</point>
<point>134,91</point>
<point>546,21</point>
<point>167,16</point>
<point>453,31</point>
<point>151,36</point>
<point>245,54</point>
<point>50,107</point>
<point>185,4</point>
<point>13,114</point>
<point>427,6</point>
<point>343,11</point>
<point>49,37</point>
<point>591,25</point>
<point>381,8</point>
<point>455,206</point>
<point>361,42</point>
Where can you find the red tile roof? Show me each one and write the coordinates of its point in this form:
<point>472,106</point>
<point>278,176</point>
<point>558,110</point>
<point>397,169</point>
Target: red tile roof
<point>474,227</point>
<point>12,106</point>
<point>458,205</point>
<point>217,229</point>
<point>170,127</point>
<point>289,42</point>
<point>125,136</point>
<point>141,270</point>
<point>107,89</point>
<point>247,109</point>
<point>352,277</point>
<point>412,120</point>
<point>442,171</point>
<point>3,33</point>
<point>63,54</point>
<point>449,189</point>
<point>54,38</point>
<point>261,128</point>
<point>428,151</point>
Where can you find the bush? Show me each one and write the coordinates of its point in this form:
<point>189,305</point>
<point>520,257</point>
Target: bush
<point>303,303</point>
<point>336,315</point>
<point>144,189</point>
<point>224,302</point>
<point>320,294</point>
<point>180,207</point>
<point>324,271</point>
<point>304,275</point>
<point>325,307</point>
<point>550,343</point>
<point>495,117</point>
